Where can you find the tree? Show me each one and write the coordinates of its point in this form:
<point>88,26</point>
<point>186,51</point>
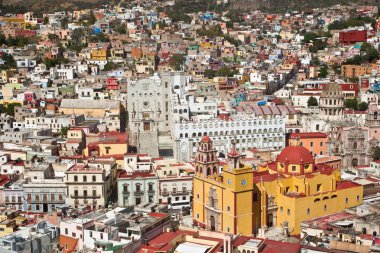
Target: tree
<point>178,16</point>
<point>64,23</point>
<point>53,37</point>
<point>312,101</point>
<point>176,61</point>
<point>9,62</point>
<point>110,66</point>
<point>226,72</point>
<point>121,29</point>
<point>209,73</point>
<point>323,72</point>
<point>376,153</point>
<point>101,37</point>
<point>367,54</point>
<point>351,103</point>
<point>211,32</point>
<point>363,106</point>
<point>64,130</point>
<point>91,19</point>
<point>11,108</point>
<point>46,20</point>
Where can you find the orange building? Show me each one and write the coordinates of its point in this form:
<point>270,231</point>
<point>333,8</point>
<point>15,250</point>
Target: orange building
<point>334,162</point>
<point>316,142</point>
<point>68,244</point>
<point>352,71</point>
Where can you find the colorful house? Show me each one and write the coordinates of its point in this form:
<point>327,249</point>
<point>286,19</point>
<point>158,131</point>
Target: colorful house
<point>294,188</point>
<point>282,193</point>
<point>316,142</point>
<point>222,203</point>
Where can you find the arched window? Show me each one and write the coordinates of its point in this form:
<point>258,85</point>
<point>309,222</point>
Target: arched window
<point>84,178</point>
<point>94,178</point>
<point>317,200</point>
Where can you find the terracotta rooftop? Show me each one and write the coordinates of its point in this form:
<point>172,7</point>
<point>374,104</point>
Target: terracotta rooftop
<point>307,135</point>
<point>124,174</point>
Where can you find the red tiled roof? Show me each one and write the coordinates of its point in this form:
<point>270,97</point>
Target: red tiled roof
<point>366,237</point>
<point>266,177</point>
<point>69,242</point>
<point>375,180</point>
<point>346,184</point>
<point>158,215</point>
<point>4,179</point>
<point>283,247</point>
<point>163,241</point>
<point>307,135</point>
<point>206,139</point>
<point>295,155</point>
<point>136,174</point>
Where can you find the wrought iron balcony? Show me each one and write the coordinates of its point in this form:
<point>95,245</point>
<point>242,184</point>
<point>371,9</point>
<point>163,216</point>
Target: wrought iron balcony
<point>82,196</point>
<point>138,193</point>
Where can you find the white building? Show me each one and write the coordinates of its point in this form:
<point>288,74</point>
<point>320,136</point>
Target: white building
<point>62,73</point>
<point>255,127</point>
<point>175,181</point>
<point>91,184</point>
<point>302,99</point>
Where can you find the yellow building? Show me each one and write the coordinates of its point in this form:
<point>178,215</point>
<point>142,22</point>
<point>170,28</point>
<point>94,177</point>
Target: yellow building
<point>282,193</point>
<point>111,144</point>
<point>99,54</point>
<point>352,71</point>
<point>294,189</point>
<point>222,203</point>
<point>89,107</point>
<point>106,148</point>
<point>7,227</point>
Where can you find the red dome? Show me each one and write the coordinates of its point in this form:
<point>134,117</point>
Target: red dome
<point>295,155</point>
<point>206,139</point>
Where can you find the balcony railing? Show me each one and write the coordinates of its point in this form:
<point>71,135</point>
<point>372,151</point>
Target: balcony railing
<point>151,191</point>
<point>49,201</point>
<point>138,193</point>
<point>13,201</point>
<point>126,193</point>
<point>178,193</point>
<point>82,196</point>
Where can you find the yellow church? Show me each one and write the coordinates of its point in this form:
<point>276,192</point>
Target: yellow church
<point>282,193</point>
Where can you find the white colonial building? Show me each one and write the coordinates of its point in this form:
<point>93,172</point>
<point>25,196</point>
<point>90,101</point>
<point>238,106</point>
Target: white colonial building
<point>251,127</point>
<point>91,184</point>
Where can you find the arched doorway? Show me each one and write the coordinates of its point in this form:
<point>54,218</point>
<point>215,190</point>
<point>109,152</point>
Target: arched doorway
<point>354,162</point>
<point>212,223</point>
